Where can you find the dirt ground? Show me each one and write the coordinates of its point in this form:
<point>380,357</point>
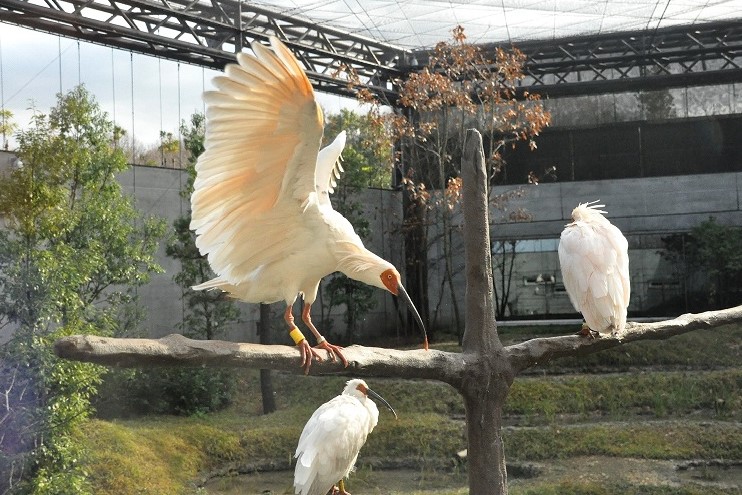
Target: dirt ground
<point>595,468</point>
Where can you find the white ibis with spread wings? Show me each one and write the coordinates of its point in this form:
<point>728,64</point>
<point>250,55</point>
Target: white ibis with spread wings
<point>260,207</point>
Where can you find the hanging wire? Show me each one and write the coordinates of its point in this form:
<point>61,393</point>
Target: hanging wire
<point>602,17</point>
<point>79,69</point>
<point>159,78</point>
<point>113,91</point>
<point>180,137</point>
<point>2,96</point>
<point>554,19</point>
<point>648,46</point>
<point>33,78</point>
<point>133,135</point>
<point>59,57</point>
<point>133,165</point>
<point>370,19</point>
<point>698,12</point>
<point>505,20</point>
<point>659,21</point>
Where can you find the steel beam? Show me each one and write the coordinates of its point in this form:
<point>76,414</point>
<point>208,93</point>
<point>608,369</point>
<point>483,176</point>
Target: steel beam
<point>209,33</point>
<point>699,54</point>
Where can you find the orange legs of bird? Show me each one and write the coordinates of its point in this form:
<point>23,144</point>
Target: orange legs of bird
<point>586,331</point>
<point>322,343</point>
<point>308,353</point>
<point>339,489</point>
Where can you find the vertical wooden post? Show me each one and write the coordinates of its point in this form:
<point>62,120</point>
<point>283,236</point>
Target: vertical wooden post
<point>488,375</point>
<point>266,379</point>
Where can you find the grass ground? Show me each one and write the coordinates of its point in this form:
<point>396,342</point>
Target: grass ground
<point>662,402</point>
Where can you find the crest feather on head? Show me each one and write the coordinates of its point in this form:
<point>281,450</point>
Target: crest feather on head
<point>589,210</point>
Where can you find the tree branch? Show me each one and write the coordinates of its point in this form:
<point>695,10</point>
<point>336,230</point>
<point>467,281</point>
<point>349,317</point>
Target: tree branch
<point>176,350</point>
<point>541,350</point>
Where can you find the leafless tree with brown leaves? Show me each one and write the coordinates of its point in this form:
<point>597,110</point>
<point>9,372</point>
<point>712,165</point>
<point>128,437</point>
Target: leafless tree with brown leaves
<point>458,87</point>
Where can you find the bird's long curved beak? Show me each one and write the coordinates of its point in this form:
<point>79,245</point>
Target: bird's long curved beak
<point>406,297</point>
<point>382,400</point>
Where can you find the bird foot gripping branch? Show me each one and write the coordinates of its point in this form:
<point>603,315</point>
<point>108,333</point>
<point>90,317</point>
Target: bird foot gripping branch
<point>586,331</point>
<point>309,353</point>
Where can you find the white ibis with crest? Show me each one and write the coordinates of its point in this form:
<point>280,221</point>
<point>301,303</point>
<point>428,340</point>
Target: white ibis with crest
<point>594,258</point>
<point>260,207</point>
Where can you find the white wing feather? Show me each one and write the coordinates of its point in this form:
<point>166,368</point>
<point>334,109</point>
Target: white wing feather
<point>263,131</point>
<point>595,271</point>
<point>329,444</point>
<point>329,168</point>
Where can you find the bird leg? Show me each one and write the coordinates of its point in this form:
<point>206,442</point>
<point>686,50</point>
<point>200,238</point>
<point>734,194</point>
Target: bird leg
<point>586,331</point>
<point>322,343</point>
<point>340,489</point>
<point>307,353</point>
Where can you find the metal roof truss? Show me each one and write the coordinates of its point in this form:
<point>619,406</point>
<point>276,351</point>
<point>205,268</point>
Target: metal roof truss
<point>209,33</point>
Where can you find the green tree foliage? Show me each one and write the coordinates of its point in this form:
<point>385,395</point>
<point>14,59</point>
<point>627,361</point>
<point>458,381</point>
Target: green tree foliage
<point>206,312</point>
<point>657,105</point>
<point>74,249</point>
<point>367,163</point>
<point>709,261</point>
<point>172,390</point>
<point>168,148</point>
<point>7,126</point>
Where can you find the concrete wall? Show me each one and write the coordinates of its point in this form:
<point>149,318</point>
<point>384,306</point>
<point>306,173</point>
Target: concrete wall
<point>637,206</point>
<point>644,209</point>
<point>156,193</point>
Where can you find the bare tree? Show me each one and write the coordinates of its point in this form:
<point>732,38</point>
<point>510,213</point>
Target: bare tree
<point>482,373</point>
<point>460,86</point>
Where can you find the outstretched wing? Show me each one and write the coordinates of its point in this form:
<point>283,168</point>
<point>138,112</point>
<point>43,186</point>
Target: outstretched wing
<point>595,272</point>
<point>263,130</point>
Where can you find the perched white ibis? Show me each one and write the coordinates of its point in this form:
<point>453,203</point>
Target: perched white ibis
<point>594,258</point>
<point>333,436</point>
<point>260,207</point>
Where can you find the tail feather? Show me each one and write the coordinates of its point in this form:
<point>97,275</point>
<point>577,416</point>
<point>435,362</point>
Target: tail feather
<point>214,283</point>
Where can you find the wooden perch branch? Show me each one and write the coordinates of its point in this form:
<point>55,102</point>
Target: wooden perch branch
<point>176,350</point>
<point>541,350</point>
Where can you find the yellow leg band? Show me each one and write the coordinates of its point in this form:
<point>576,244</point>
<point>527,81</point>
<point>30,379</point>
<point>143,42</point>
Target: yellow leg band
<point>296,335</point>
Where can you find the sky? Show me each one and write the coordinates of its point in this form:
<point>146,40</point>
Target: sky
<point>36,66</point>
